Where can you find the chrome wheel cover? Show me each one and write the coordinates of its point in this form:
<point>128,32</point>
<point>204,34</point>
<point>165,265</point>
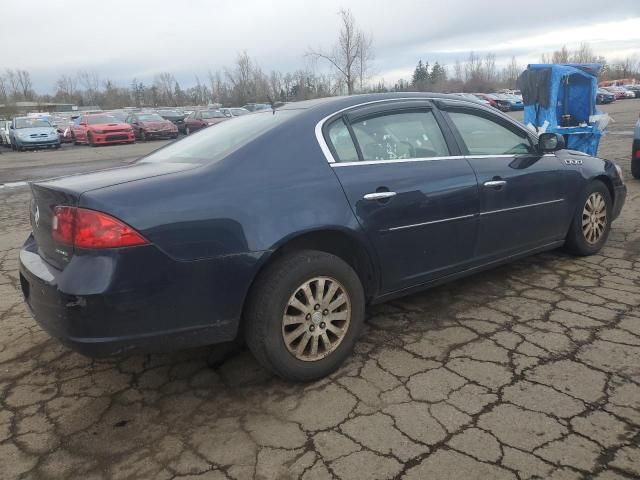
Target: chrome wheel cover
<point>316,319</point>
<point>594,217</point>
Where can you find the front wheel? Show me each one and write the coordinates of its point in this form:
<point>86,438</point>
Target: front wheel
<point>187,131</point>
<point>90,141</point>
<point>592,221</point>
<point>304,315</point>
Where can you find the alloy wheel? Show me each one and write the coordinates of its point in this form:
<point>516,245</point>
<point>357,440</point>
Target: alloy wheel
<point>316,319</point>
<point>594,217</point>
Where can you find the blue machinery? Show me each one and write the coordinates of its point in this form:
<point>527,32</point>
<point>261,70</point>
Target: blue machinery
<point>562,99</point>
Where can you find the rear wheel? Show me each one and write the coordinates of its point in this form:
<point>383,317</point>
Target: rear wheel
<point>90,141</point>
<point>592,221</point>
<point>304,315</point>
<point>143,136</point>
<point>187,131</point>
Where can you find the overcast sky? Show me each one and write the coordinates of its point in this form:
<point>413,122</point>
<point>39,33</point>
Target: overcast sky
<point>125,39</point>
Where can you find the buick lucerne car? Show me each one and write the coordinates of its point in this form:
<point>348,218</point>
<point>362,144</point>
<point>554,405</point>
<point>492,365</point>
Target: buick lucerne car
<point>281,226</point>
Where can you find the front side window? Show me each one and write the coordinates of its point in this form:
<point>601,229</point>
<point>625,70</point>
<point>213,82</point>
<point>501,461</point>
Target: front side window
<point>400,135</point>
<point>483,136</point>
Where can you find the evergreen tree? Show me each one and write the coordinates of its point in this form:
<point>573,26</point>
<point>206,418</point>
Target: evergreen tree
<point>420,79</point>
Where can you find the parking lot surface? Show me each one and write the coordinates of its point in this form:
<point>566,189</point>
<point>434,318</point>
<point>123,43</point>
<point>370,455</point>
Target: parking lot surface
<point>531,370</point>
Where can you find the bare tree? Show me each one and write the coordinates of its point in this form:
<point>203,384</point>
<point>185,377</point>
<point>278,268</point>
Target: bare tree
<point>347,56</point>
<point>4,94</point>
<point>365,56</point>
<point>165,82</point>
<point>511,73</point>
<point>14,85</point>
<point>24,81</point>
<point>583,54</point>
<point>90,81</point>
<point>560,56</point>
<point>66,87</point>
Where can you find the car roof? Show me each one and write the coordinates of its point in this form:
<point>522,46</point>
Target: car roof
<point>352,100</point>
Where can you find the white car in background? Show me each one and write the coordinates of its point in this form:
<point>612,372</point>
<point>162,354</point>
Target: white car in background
<point>4,133</point>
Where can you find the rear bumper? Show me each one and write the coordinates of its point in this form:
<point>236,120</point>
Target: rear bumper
<point>130,300</point>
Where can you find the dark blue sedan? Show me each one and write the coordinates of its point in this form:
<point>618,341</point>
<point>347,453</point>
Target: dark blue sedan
<point>280,226</point>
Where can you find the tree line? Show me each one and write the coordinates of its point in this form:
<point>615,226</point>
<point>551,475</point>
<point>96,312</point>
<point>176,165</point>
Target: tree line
<point>349,71</point>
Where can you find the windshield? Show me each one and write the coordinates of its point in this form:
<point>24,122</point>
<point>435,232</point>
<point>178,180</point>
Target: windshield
<point>150,117</point>
<point>215,114</point>
<point>236,112</point>
<point>170,113</point>
<point>100,119</point>
<point>213,144</point>
<point>31,123</point>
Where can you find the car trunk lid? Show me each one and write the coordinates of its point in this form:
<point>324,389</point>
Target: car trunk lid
<point>66,191</point>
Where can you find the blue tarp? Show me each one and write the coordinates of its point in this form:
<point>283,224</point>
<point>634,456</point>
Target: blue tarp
<point>572,91</point>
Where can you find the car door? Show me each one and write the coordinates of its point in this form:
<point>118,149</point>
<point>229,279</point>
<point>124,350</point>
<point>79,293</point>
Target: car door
<point>523,204</point>
<point>416,200</point>
<point>80,129</point>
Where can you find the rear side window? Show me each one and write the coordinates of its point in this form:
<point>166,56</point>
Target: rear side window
<point>483,136</point>
<point>213,144</point>
<point>340,138</point>
<point>400,135</point>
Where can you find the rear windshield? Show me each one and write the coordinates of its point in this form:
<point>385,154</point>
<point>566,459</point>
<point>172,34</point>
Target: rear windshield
<point>215,114</point>
<point>214,143</point>
<point>150,117</point>
<point>100,119</point>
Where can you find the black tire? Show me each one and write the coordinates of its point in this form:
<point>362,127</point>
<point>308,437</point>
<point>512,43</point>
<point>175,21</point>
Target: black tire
<point>268,301</point>
<point>143,136</point>
<point>576,241</point>
<point>635,160</point>
<point>90,140</point>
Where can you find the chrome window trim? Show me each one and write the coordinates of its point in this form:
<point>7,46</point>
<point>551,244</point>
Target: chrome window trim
<point>519,207</point>
<point>318,130</point>
<point>398,160</point>
<point>425,159</point>
<point>442,220</point>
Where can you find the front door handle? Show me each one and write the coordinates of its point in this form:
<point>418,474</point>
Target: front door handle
<point>379,195</point>
<point>495,183</point>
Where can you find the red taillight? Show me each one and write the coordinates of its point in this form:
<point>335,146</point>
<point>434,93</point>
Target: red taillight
<point>84,228</point>
<point>637,153</point>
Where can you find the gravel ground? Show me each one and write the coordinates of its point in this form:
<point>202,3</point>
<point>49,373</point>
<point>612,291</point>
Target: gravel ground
<point>531,370</point>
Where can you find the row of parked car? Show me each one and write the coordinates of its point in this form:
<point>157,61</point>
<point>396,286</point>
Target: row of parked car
<point>613,93</point>
<point>505,100</point>
<point>111,127</point>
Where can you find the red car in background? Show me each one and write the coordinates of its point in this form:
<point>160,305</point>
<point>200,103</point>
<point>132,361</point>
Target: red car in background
<point>101,129</point>
<point>203,118</point>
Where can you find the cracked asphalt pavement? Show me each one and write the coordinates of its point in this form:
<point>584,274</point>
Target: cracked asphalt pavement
<point>528,371</point>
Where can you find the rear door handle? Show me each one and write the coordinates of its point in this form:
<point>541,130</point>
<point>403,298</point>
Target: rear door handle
<point>379,195</point>
<point>495,183</point>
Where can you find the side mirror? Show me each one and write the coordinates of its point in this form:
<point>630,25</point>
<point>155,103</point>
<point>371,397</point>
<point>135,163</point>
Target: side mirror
<point>550,142</point>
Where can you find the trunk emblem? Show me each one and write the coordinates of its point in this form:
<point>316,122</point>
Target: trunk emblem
<point>36,216</point>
